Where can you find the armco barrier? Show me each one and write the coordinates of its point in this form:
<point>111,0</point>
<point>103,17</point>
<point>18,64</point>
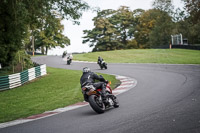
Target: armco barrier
<point>15,80</point>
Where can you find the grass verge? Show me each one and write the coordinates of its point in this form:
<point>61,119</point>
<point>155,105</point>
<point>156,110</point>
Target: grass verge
<point>59,88</point>
<point>163,56</point>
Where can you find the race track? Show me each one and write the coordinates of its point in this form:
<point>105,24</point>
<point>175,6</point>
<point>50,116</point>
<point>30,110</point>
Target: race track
<point>165,100</point>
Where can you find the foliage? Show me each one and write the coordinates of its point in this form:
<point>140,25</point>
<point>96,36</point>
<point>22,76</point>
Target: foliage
<point>187,21</point>
<point>50,34</point>
<point>163,5</point>
<point>21,61</point>
<point>103,34</point>
<point>124,23</point>
<point>21,19</point>
<point>144,27</point>
<point>193,21</point>
<point>125,29</point>
<point>193,8</point>
<point>112,29</point>
<point>13,29</point>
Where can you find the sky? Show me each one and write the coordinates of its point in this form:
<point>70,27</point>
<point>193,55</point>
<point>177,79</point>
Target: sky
<point>75,32</point>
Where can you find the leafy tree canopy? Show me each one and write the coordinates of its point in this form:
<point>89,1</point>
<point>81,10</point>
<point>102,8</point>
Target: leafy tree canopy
<point>21,19</point>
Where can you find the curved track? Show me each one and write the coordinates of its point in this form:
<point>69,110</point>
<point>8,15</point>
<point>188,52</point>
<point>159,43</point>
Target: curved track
<point>166,99</point>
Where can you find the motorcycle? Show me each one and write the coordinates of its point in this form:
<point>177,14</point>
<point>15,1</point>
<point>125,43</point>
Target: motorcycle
<point>69,61</point>
<point>63,55</point>
<point>103,64</point>
<point>94,97</point>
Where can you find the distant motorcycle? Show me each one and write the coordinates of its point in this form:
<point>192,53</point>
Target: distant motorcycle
<point>103,64</point>
<point>93,96</point>
<point>69,60</point>
<point>63,55</point>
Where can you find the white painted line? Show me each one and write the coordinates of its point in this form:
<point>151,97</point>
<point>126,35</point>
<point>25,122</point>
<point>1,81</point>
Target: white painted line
<point>12,123</point>
<point>69,108</point>
<point>119,91</point>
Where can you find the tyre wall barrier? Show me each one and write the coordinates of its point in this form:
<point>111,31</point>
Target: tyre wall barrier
<point>18,79</point>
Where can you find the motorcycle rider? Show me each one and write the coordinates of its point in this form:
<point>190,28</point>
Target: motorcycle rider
<point>99,60</point>
<point>69,57</point>
<point>88,78</point>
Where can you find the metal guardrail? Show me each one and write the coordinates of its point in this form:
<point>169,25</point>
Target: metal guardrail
<point>18,79</point>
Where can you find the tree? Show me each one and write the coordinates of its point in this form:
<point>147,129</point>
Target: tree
<point>154,29</point>
<point>13,29</point>
<point>103,35</point>
<point>146,24</point>
<point>193,8</point>
<point>163,5</point>
<point>20,16</point>
<point>114,29</point>
<point>50,35</point>
<point>193,21</point>
<point>123,20</point>
<point>161,33</point>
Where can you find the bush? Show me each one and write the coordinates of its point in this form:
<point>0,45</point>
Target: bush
<point>22,61</point>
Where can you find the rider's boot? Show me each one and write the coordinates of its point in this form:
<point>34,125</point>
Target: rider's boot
<point>104,94</point>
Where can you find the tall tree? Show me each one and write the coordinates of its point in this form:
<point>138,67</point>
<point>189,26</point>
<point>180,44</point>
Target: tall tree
<point>193,8</point>
<point>193,20</point>
<point>13,28</point>
<point>123,20</point>
<point>19,16</point>
<point>50,35</point>
<point>161,33</point>
<point>154,29</point>
<point>103,35</point>
<point>146,24</point>
<point>114,29</point>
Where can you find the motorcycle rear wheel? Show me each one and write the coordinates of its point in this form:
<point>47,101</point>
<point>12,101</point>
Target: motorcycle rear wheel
<point>68,62</point>
<point>96,105</point>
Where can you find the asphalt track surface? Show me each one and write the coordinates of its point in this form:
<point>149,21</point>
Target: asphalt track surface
<point>165,100</point>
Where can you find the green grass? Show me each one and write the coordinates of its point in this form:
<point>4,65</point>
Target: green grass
<point>163,56</point>
<point>59,88</point>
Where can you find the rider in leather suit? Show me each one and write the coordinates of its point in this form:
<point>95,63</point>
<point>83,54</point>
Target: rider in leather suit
<point>99,60</point>
<point>89,78</point>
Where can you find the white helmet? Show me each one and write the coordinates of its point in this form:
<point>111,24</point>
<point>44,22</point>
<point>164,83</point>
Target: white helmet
<point>86,69</point>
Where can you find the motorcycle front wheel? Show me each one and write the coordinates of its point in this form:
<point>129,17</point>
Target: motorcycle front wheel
<point>116,102</point>
<point>97,105</point>
<point>105,67</point>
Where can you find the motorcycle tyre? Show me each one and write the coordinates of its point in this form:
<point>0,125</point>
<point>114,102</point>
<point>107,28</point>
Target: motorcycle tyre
<point>68,62</point>
<point>116,103</point>
<point>105,67</point>
<point>95,106</point>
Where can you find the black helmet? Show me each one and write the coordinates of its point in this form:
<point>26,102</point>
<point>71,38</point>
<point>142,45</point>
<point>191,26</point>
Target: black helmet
<point>86,69</point>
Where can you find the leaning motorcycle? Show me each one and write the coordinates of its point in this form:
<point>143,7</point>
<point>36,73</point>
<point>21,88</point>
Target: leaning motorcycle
<point>94,97</point>
<point>103,65</point>
<point>69,61</point>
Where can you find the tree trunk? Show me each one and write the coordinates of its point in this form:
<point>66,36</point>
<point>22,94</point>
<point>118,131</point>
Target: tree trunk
<point>46,50</point>
<point>33,45</point>
<point>42,49</point>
